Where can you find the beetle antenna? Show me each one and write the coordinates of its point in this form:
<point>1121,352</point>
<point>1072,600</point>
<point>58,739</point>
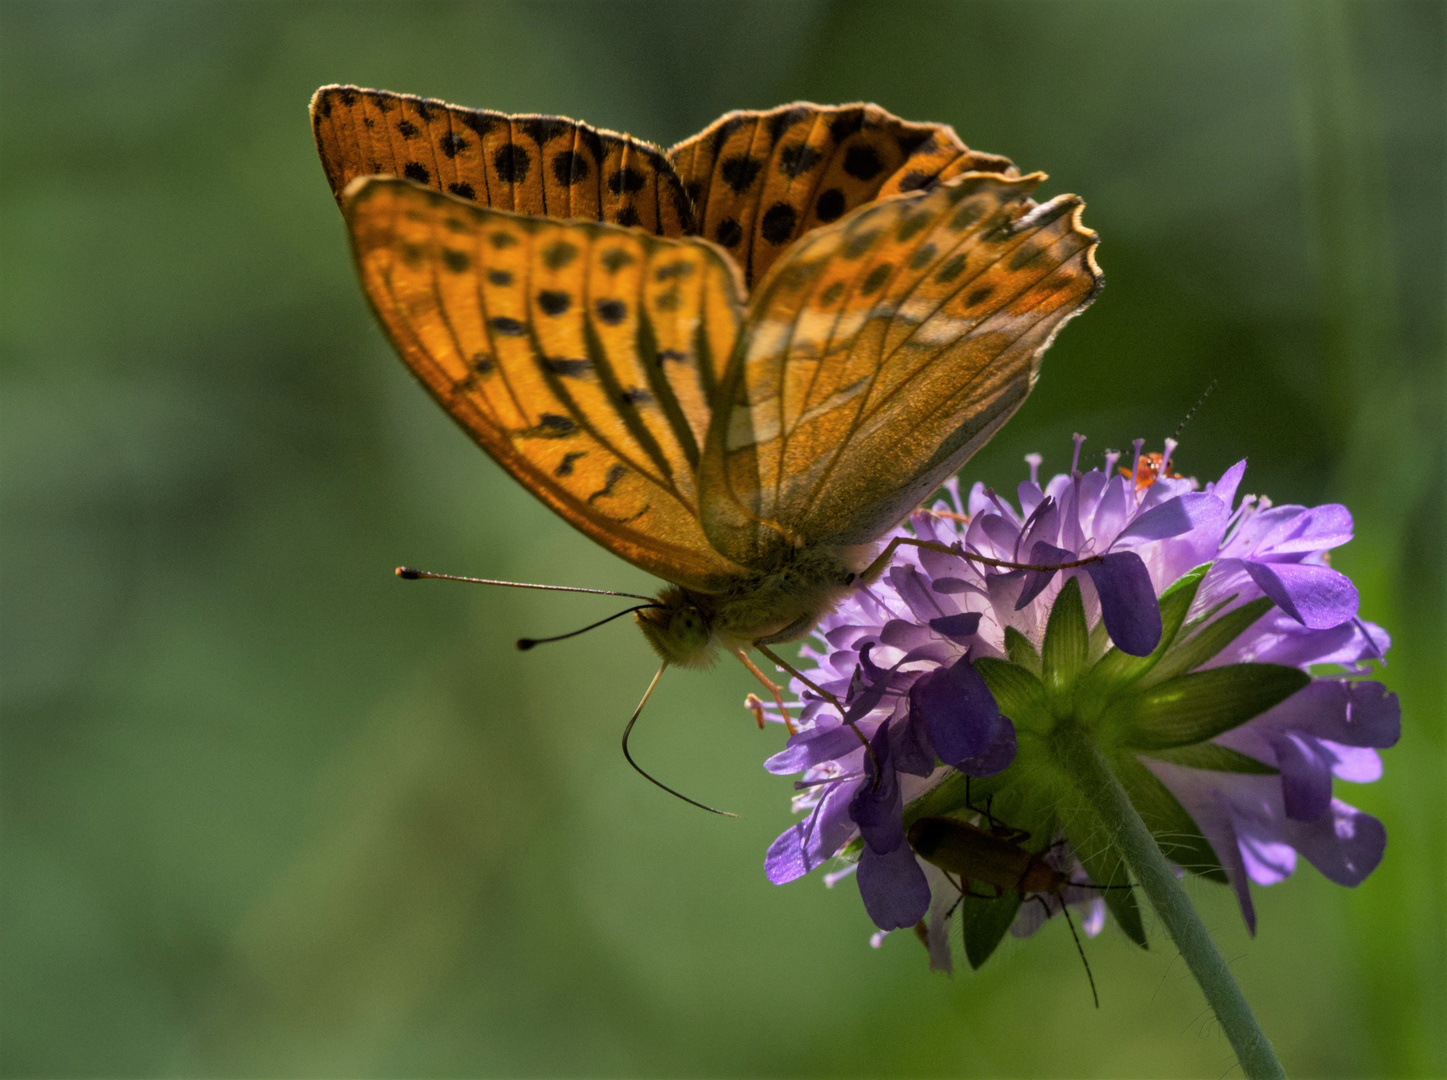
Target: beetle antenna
<point>526,643</point>
<point>640,771</point>
<point>407,573</point>
<point>1192,411</point>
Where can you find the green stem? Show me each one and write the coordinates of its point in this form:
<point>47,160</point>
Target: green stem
<point>1103,793</point>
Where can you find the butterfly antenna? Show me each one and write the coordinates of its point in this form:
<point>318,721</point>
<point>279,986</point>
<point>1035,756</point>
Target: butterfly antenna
<point>527,643</point>
<point>642,772</point>
<point>1192,412</point>
<point>407,573</point>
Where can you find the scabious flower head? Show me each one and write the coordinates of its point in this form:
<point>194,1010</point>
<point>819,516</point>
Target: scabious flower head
<point>1203,641</point>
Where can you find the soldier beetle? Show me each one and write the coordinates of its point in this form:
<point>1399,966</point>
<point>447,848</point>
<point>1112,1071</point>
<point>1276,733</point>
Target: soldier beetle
<point>997,858</point>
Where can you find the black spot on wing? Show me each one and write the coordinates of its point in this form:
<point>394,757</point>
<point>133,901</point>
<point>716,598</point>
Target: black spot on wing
<point>921,258</point>
<point>777,226</point>
<point>628,179</point>
<point>739,171</point>
<point>912,141</point>
<point>875,279</point>
<point>628,217</point>
<point>452,145</point>
<point>508,326</point>
<point>552,426</point>
<point>500,278</point>
<point>415,170</point>
<point>917,181</point>
<point>728,232</point>
<point>457,261</point>
<point>636,395</point>
<point>614,259</point>
<point>544,129</point>
<point>565,467</point>
<point>559,254</point>
<point>610,481</point>
<point>612,312</point>
<point>798,159</point>
<point>512,163</point>
<point>830,205</point>
<point>570,167</point>
<point>554,302</point>
<point>406,129</point>
<point>463,190</point>
<point>952,269</point>
<point>480,122</point>
<point>846,124</point>
<point>862,162</point>
<point>978,296</point>
<point>783,120</point>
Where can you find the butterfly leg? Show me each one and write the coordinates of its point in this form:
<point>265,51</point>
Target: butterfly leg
<point>774,688</point>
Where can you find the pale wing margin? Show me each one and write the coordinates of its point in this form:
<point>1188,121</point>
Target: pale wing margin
<point>580,356</point>
<point>880,353</point>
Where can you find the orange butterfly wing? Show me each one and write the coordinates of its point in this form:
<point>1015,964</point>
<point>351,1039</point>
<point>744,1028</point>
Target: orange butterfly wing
<point>880,353</point>
<point>582,357</point>
<point>547,166</point>
<point>759,180</point>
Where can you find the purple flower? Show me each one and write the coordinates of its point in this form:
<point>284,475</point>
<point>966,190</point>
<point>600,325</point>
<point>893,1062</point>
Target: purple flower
<point>1197,615</point>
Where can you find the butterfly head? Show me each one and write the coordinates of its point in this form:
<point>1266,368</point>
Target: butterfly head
<point>679,628</point>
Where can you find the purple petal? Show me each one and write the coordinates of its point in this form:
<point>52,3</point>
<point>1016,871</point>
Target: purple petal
<point>900,634</point>
<point>812,747</point>
<point>1345,845</point>
<point>1351,712</point>
<point>1315,596</point>
<point>1354,764</point>
<point>878,804</point>
<point>999,532</point>
<point>914,590</point>
<point>812,840</point>
<point>1305,775</point>
<point>1318,528</point>
<point>957,709</point>
<point>1042,554</point>
<point>1110,515</point>
<point>957,627</point>
<point>910,749</point>
<point>1128,603</point>
<point>1225,488</point>
<point>894,889</point>
<point>949,585</point>
<point>997,758</point>
<point>1182,514</point>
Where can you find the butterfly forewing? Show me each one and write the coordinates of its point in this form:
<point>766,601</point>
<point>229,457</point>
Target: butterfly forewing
<point>759,180</point>
<point>580,356</point>
<point>546,166</point>
<point>880,353</point>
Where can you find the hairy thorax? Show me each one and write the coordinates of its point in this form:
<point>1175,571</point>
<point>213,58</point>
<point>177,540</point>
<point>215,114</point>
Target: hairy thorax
<point>783,604</point>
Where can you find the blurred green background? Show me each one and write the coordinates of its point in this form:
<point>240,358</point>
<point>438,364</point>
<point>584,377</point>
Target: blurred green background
<point>268,811</point>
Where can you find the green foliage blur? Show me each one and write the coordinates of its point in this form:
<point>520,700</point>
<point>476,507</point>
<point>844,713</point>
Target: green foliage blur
<point>268,811</point>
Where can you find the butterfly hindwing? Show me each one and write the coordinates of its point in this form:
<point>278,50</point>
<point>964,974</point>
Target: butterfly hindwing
<point>881,352</point>
<point>759,180</point>
<point>547,166</point>
<point>581,356</point>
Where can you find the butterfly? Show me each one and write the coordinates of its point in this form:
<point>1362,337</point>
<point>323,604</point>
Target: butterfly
<point>737,364</point>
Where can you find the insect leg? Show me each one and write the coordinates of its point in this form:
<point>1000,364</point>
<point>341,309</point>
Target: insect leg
<point>772,687</point>
<point>1065,910</point>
